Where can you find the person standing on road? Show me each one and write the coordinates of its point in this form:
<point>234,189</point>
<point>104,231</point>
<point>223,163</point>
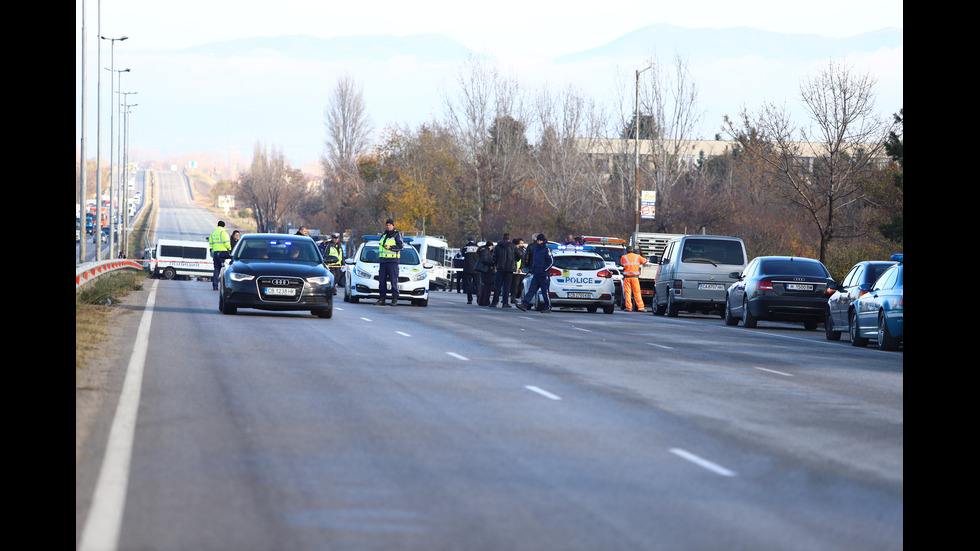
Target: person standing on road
<point>516,287</point>
<point>504,263</point>
<point>487,276</point>
<point>333,255</point>
<point>631,280</point>
<point>220,250</point>
<point>389,251</point>
<point>470,257</point>
<point>541,263</point>
<point>457,275</point>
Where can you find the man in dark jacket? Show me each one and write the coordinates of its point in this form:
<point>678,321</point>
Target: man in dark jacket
<point>505,263</point>
<point>389,250</point>
<point>541,262</point>
<point>471,256</point>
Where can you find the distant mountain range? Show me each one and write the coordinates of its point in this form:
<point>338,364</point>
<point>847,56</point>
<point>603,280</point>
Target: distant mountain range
<point>661,39</point>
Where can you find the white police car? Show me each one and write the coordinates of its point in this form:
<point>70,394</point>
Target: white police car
<point>361,275</point>
<point>579,279</point>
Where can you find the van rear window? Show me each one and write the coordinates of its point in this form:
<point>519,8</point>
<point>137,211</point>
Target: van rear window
<point>716,251</point>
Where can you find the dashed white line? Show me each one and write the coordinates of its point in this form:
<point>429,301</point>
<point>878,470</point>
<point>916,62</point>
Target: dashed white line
<point>660,345</point>
<point>544,393</point>
<point>457,356</point>
<point>580,329</point>
<point>366,319</point>
<point>701,462</point>
<point>402,333</point>
<point>774,371</point>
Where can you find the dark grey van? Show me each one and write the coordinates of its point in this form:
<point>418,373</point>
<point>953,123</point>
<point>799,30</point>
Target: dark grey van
<point>693,273</point>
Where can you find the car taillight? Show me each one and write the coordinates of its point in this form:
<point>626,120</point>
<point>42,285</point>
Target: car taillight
<point>555,272</point>
<point>765,285</point>
<point>604,273</point>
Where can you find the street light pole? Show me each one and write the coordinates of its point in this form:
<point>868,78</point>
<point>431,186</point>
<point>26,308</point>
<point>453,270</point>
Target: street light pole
<point>636,153</point>
<point>111,69</point>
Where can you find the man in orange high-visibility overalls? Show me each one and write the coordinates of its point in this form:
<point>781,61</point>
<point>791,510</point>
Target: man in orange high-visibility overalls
<point>631,280</point>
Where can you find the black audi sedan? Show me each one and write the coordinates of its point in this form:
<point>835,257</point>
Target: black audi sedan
<point>779,288</point>
<point>276,272</point>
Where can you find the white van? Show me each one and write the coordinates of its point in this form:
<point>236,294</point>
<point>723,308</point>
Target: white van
<point>174,257</point>
<point>434,250</point>
<point>694,273</point>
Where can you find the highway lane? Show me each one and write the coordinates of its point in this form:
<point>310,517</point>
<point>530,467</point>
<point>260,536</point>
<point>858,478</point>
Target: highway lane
<point>90,247</point>
<point>460,427</point>
<point>455,426</point>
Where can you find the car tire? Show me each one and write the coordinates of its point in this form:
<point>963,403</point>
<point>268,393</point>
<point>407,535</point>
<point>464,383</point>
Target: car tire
<point>748,320</point>
<point>829,329</point>
<point>729,318</point>
<point>591,309</point>
<point>421,302</point>
<point>657,308</point>
<point>324,313</point>
<point>608,309</point>
<point>810,325</point>
<point>169,273</point>
<point>885,340</point>
<point>852,329</point>
<point>673,308</point>
<point>223,307</point>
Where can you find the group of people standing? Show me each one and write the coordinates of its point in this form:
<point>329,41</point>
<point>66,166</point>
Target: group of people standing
<point>494,272</point>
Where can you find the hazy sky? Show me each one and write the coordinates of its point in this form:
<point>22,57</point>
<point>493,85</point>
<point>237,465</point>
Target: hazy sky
<point>519,31</point>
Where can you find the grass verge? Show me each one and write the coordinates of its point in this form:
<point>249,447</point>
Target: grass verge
<point>93,302</point>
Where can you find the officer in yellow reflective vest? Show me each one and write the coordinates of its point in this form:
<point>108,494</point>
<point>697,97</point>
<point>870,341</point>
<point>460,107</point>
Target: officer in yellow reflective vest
<point>333,254</point>
<point>632,263</point>
<point>389,251</point>
<point>220,250</point>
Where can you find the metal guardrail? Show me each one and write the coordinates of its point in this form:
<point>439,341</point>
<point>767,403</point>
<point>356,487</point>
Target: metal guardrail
<point>90,271</point>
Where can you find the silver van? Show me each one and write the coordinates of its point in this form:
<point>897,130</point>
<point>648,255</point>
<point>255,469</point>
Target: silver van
<point>693,273</point>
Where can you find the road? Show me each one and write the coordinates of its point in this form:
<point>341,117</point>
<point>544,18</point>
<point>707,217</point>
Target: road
<point>460,427</point>
<point>90,247</point>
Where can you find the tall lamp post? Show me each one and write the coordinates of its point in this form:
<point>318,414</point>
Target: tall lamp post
<point>636,152</point>
<point>98,200</point>
<point>113,173</point>
<point>124,235</point>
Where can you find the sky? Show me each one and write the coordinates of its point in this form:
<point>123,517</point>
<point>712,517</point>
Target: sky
<point>517,32</point>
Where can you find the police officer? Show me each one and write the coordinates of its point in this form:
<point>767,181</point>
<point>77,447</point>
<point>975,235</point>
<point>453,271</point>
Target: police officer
<point>333,254</point>
<point>389,251</point>
<point>220,250</point>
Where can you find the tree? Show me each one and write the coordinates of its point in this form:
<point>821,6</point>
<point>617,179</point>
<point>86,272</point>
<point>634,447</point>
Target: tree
<point>271,188</point>
<point>348,128</point>
<point>894,229</point>
<point>820,167</point>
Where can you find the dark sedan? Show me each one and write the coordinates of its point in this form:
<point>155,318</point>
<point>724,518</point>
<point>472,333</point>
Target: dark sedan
<point>842,304</point>
<point>276,272</point>
<point>779,288</point>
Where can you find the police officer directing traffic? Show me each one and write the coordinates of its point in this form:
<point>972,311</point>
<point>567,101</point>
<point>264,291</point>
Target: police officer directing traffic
<point>333,254</point>
<point>389,251</point>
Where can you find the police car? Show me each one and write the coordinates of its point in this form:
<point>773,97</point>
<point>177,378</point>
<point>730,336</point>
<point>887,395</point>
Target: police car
<point>579,279</point>
<point>361,276</point>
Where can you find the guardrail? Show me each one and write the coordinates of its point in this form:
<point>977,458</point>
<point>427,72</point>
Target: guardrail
<point>90,271</point>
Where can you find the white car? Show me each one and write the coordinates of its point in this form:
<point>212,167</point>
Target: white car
<point>361,275</point>
<point>579,279</point>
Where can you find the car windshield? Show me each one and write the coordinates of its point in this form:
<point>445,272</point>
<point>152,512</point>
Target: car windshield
<point>573,262</point>
<point>610,255</point>
<point>797,267</point>
<point>714,251</point>
<point>277,249</point>
<point>408,255</point>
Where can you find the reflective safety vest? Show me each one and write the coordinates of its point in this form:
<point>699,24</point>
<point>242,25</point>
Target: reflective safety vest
<point>631,264</point>
<point>387,241</point>
<point>334,254</point>
<point>219,240</point>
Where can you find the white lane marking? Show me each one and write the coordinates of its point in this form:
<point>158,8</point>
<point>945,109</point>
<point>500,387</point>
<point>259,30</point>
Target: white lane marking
<point>402,333</point>
<point>701,462</point>
<point>774,371</point>
<point>660,345</point>
<point>544,393</point>
<point>101,530</point>
<point>457,356</point>
<point>580,329</point>
<point>366,319</point>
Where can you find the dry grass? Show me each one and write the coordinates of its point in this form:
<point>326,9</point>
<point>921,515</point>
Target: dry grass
<point>92,306</point>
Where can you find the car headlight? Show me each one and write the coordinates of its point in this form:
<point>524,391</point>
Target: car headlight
<point>235,276</point>
<point>319,280</point>
<point>420,276</point>
<point>361,273</point>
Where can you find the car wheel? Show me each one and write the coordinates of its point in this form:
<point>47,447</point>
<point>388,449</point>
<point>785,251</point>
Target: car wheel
<point>591,309</point>
<point>828,326</point>
<point>608,309</point>
<point>673,308</point>
<point>856,338</point>
<point>748,320</point>
<point>324,313</point>
<point>169,273</point>
<point>421,302</point>
<point>810,325</point>
<point>223,307</point>
<point>885,340</point>
<point>658,309</point>
<point>729,318</point>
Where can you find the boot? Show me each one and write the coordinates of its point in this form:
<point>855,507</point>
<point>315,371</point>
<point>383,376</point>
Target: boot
<point>381,302</point>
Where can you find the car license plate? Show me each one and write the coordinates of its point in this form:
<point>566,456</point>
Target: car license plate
<point>579,295</point>
<point>711,287</point>
<point>798,287</point>
<point>280,291</point>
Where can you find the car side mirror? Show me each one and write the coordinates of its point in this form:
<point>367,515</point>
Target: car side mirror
<point>349,261</point>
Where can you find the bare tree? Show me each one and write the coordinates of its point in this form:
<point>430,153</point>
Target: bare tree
<point>820,166</point>
<point>348,128</point>
<point>271,188</point>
